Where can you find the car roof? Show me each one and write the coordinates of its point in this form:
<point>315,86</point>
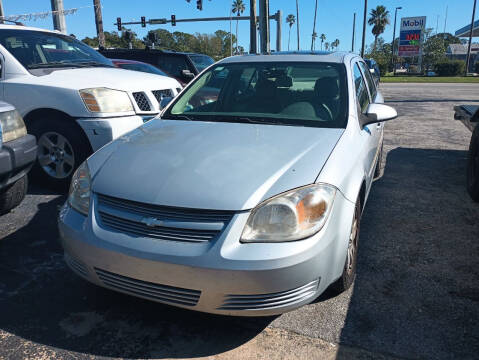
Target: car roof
<point>158,51</point>
<point>22,27</point>
<point>302,56</point>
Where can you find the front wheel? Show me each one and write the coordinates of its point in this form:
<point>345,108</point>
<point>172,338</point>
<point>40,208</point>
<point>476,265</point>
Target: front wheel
<point>62,147</point>
<point>13,195</point>
<point>349,270</point>
<point>473,166</point>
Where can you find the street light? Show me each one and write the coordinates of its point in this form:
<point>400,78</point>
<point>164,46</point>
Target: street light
<point>394,37</point>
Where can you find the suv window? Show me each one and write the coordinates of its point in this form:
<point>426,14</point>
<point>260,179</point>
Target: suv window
<point>173,64</point>
<point>369,79</point>
<point>361,90</point>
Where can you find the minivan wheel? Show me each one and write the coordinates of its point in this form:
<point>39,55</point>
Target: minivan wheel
<point>473,166</point>
<point>62,147</point>
<point>349,270</point>
<point>13,195</point>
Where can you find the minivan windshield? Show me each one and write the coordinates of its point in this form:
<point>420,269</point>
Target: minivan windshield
<point>38,49</point>
<point>276,93</point>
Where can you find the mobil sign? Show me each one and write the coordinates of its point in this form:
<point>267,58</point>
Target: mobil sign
<point>410,35</point>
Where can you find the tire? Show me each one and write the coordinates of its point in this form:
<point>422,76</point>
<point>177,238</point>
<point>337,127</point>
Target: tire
<point>379,164</point>
<point>473,166</point>
<point>349,269</point>
<point>62,147</point>
<point>13,195</point>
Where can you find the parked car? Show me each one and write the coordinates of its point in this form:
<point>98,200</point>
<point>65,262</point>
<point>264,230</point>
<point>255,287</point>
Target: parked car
<point>374,69</point>
<point>182,66</point>
<point>71,97</point>
<point>246,205</point>
<point>469,115</point>
<point>138,66</point>
<point>17,154</point>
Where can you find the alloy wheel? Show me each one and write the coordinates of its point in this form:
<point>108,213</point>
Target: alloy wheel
<point>353,245</point>
<point>55,155</point>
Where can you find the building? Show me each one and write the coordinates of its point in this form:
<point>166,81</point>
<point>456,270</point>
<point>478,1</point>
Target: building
<point>459,51</point>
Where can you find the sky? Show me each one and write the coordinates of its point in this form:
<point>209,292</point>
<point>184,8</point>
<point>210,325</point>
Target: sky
<point>334,18</point>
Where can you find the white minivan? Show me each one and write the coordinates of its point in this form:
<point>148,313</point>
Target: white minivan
<point>72,98</point>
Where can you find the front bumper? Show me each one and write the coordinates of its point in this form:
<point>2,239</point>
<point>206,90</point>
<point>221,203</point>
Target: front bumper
<point>101,131</point>
<point>222,277</point>
<point>16,159</point>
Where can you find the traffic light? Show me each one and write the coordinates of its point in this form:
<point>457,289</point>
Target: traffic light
<point>118,23</point>
<point>143,21</point>
<point>199,4</point>
<point>173,20</point>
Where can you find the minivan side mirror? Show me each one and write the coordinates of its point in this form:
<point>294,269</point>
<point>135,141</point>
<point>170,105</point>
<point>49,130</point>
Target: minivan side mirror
<point>378,113</point>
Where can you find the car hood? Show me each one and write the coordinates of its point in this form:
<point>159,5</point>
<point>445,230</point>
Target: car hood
<point>113,78</point>
<point>210,165</point>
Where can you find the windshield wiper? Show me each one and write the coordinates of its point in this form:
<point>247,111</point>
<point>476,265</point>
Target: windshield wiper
<point>178,117</point>
<point>52,64</point>
<point>93,63</point>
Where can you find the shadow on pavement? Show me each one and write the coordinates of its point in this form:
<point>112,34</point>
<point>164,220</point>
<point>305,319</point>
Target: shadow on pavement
<point>43,302</point>
<point>416,294</point>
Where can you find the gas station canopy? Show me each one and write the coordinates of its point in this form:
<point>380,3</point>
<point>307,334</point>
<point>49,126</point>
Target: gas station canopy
<point>464,32</point>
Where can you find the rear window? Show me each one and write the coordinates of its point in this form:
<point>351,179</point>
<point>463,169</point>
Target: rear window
<point>288,93</point>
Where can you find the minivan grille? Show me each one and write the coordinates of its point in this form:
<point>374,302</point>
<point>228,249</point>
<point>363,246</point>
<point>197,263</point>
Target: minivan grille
<point>161,222</point>
<point>268,301</point>
<point>160,94</point>
<point>149,290</point>
<point>142,101</point>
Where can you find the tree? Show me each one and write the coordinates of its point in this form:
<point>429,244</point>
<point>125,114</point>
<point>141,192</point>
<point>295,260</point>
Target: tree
<point>314,35</point>
<point>379,19</point>
<point>335,44</point>
<point>290,20</point>
<point>238,8</point>
<point>115,40</point>
<point>323,39</point>
<point>326,46</point>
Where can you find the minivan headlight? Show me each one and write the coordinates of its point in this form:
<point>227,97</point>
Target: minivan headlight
<point>294,215</point>
<point>80,189</point>
<point>106,100</point>
<point>11,126</point>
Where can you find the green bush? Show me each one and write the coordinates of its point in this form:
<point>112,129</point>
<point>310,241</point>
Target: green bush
<point>450,68</point>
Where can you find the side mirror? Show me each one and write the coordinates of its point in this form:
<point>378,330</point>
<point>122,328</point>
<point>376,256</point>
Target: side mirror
<point>187,74</point>
<point>378,113</point>
<point>372,71</point>
<point>165,101</point>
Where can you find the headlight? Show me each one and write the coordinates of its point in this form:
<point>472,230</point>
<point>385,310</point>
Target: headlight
<point>294,215</point>
<point>80,189</point>
<point>106,100</point>
<point>11,126</point>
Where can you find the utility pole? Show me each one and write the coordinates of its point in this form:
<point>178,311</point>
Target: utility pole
<point>394,38</point>
<point>470,38</point>
<point>58,16</point>
<point>2,14</point>
<point>253,49</point>
<point>99,23</point>
<point>354,32</point>
<point>314,25</point>
<point>279,15</point>
<point>264,26</point>
<point>297,21</point>
<point>364,27</point>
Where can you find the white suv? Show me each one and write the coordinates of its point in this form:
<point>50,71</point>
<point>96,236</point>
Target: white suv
<point>71,97</point>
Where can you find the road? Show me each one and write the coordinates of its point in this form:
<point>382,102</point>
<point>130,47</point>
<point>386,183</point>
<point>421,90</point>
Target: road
<point>416,294</point>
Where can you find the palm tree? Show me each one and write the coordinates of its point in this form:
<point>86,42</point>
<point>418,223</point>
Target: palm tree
<point>290,20</point>
<point>336,43</point>
<point>323,39</point>
<point>314,36</point>
<point>326,46</point>
<point>238,9</point>
<point>379,19</point>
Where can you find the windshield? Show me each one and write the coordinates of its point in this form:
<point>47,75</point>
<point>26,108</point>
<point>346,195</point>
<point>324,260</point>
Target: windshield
<point>37,49</point>
<point>283,93</point>
<point>201,61</point>
<point>141,67</point>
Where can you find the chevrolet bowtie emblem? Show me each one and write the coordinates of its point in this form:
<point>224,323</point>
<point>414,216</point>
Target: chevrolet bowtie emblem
<point>151,222</point>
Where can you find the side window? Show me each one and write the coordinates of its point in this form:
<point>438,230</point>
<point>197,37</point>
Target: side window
<point>172,64</point>
<point>369,79</point>
<point>361,90</point>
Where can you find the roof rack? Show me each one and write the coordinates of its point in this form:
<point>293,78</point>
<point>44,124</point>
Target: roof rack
<point>12,21</point>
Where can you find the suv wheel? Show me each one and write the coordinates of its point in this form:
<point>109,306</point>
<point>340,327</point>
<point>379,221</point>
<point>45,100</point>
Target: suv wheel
<point>13,195</point>
<point>62,147</point>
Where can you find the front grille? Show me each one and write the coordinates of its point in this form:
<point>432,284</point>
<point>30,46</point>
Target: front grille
<point>149,290</point>
<point>142,101</point>
<point>269,301</point>
<point>171,223</point>
<point>160,94</point>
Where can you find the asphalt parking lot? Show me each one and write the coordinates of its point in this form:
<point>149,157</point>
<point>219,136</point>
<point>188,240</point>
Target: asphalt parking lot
<point>416,294</point>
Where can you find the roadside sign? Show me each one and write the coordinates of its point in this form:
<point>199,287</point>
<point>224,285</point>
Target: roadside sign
<point>411,36</point>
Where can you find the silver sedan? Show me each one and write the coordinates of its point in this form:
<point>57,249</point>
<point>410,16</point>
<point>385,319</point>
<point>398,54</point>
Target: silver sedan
<point>244,197</point>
